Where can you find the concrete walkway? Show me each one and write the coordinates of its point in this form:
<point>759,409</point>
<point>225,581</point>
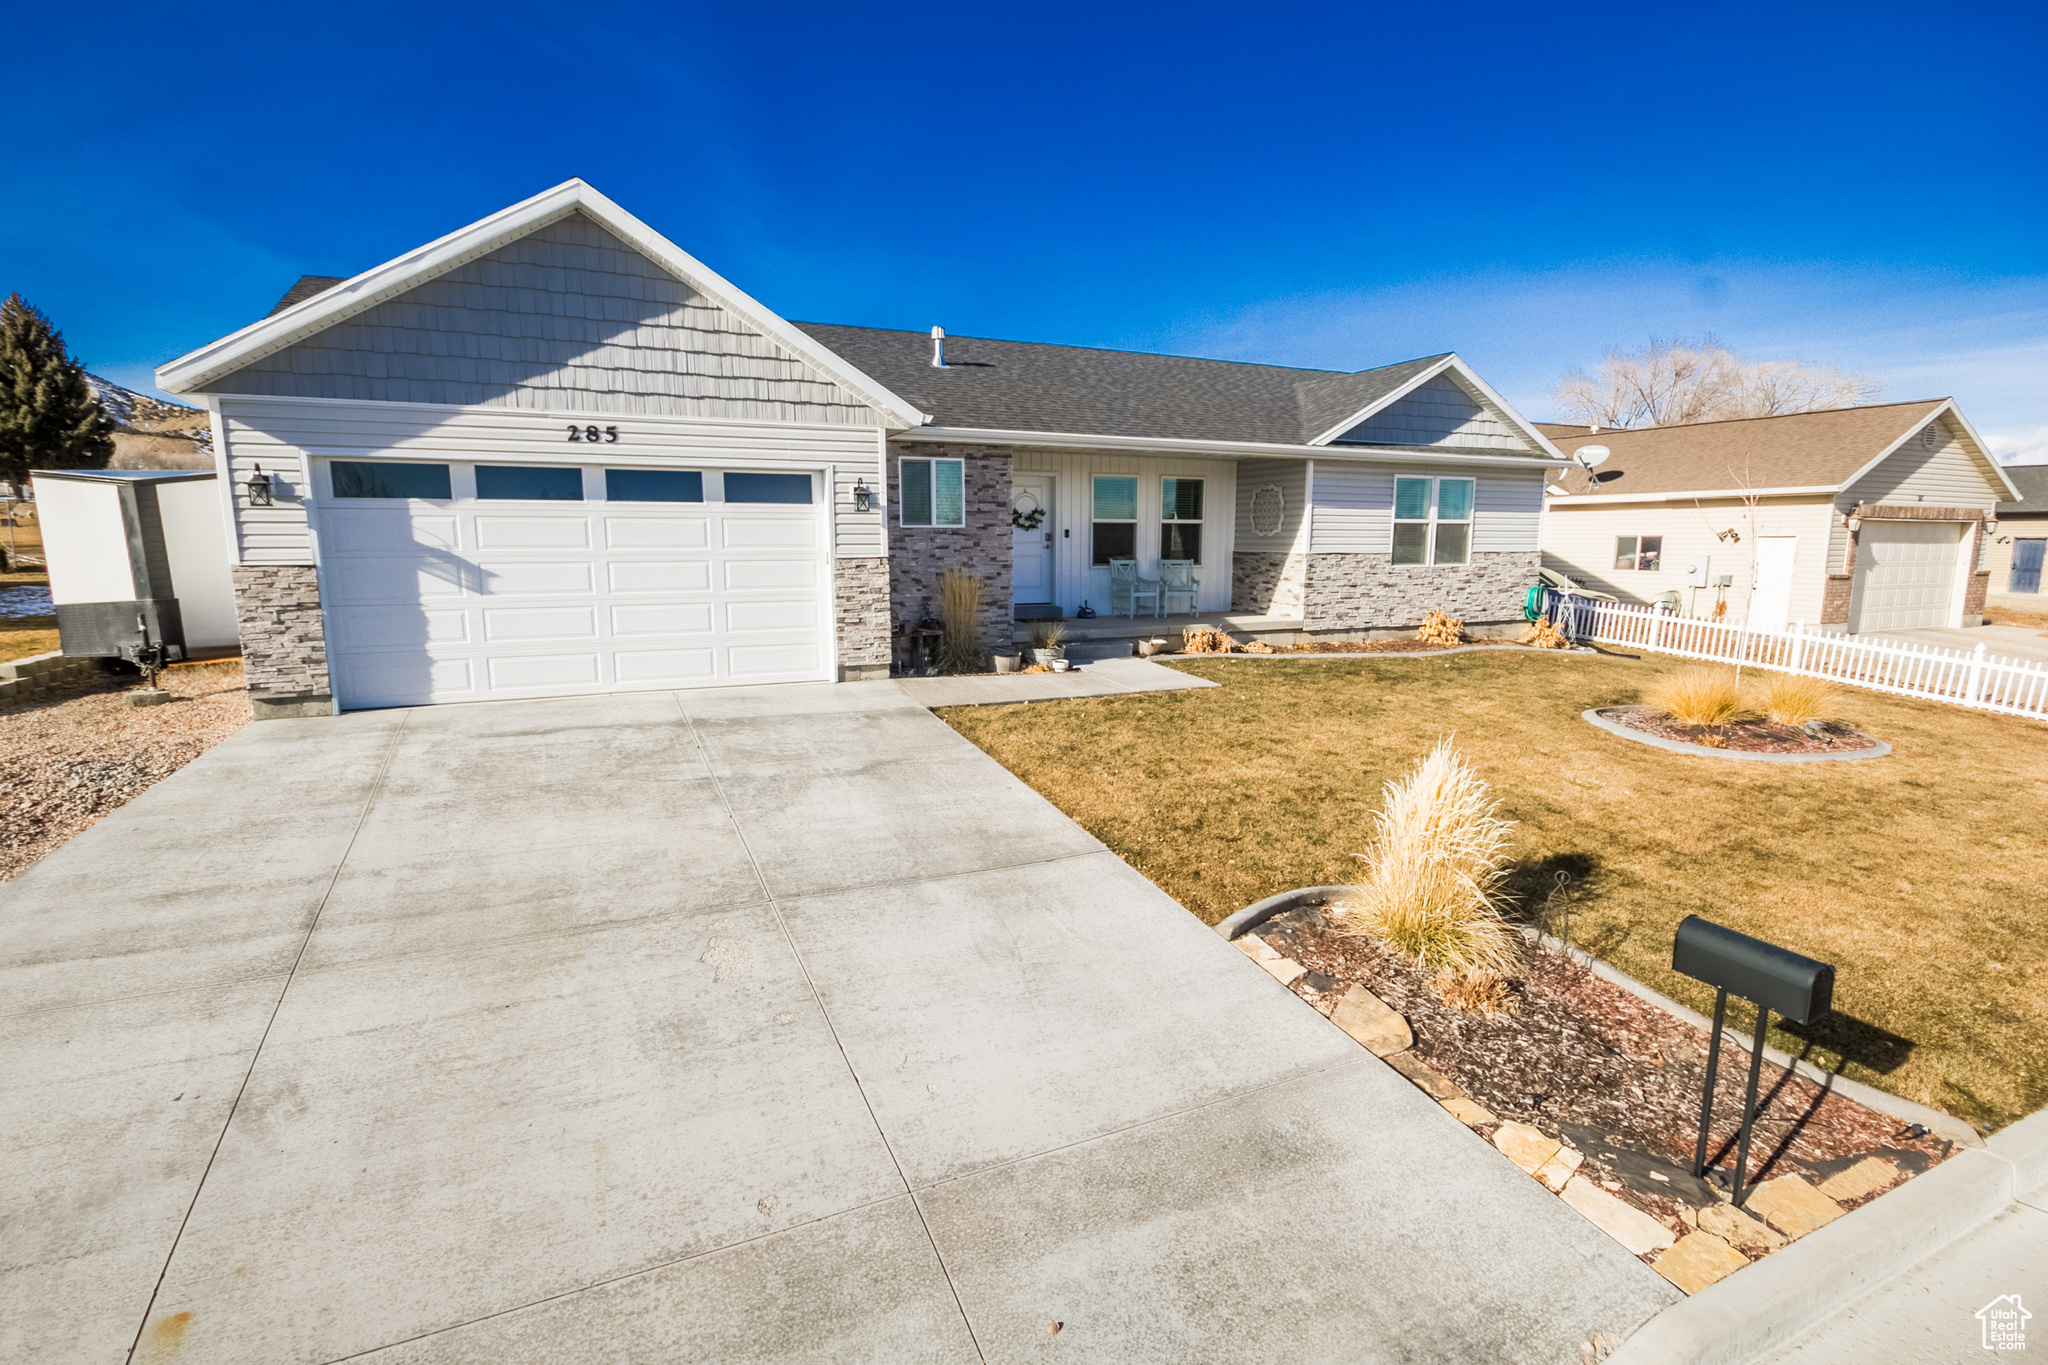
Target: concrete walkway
<point>1094,678</point>
<point>764,1025</point>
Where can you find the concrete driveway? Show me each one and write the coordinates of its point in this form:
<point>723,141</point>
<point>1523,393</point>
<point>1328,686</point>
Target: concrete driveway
<point>762,1025</point>
<point>2006,642</point>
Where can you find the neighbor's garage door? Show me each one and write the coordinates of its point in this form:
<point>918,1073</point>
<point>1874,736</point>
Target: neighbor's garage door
<point>1905,574</point>
<point>460,582</point>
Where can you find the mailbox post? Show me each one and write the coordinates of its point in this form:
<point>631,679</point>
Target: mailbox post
<point>1769,977</point>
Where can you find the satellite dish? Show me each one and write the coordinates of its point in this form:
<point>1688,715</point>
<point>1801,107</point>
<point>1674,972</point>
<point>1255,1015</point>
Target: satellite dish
<point>1591,456</point>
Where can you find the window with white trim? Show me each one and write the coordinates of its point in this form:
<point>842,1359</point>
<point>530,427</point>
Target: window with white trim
<point>1114,529</point>
<point>1180,519</point>
<point>933,493</point>
<point>1643,553</point>
<point>1432,520</point>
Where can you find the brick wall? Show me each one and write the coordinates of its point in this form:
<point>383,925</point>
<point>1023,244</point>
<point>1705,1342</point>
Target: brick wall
<point>284,645</point>
<point>1267,582</point>
<point>1974,595</point>
<point>860,610</point>
<point>918,554</point>
<point>1366,591</point>
<point>1834,599</point>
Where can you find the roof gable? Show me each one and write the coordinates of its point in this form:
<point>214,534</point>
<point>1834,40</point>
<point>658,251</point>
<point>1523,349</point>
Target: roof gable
<point>564,299</point>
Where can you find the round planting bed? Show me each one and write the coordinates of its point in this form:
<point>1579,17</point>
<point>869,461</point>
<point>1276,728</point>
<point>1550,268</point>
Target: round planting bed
<point>1767,744</point>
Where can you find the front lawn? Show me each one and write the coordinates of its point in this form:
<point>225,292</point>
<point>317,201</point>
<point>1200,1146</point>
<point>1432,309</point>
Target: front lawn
<point>1920,875</point>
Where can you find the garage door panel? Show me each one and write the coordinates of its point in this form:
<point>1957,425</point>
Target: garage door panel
<point>665,577</point>
<point>762,575</point>
<point>470,600</point>
<point>665,618</point>
<point>1905,574</point>
<point>681,667</point>
<point>533,577</point>
<point>533,533</point>
<point>649,533</point>
<point>540,623</point>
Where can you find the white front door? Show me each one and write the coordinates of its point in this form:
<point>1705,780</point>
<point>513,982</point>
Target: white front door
<point>1905,574</point>
<point>1770,605</point>
<point>1031,546</point>
<point>474,598</point>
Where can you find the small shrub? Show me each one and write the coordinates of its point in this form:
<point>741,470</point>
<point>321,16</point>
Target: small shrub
<point>1789,699</point>
<point>1698,694</point>
<point>960,616</point>
<point>1486,992</point>
<point>1545,634</point>
<point>1433,888</point>
<point>1260,647</point>
<point>1441,628</point>
<point>1206,640</point>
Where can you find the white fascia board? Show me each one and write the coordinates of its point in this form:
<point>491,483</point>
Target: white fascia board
<point>1948,406</point>
<point>381,283</point>
<point>1176,445</point>
<point>1617,499</point>
<point>1470,376</point>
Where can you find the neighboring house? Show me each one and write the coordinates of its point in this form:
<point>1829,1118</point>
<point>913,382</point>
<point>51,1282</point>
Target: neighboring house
<point>1863,519</point>
<point>551,453</point>
<point>2020,540</point>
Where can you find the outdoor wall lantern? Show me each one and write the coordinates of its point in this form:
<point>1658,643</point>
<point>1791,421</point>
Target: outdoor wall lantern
<point>1855,523</point>
<point>1771,978</point>
<point>259,488</point>
<point>1991,526</point>
<point>863,496</point>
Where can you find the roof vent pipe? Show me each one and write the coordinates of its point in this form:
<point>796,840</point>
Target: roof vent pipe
<point>939,348</point>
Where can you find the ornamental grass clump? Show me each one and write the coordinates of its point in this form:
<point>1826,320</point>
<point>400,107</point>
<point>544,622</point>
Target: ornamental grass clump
<point>1698,694</point>
<point>1545,634</point>
<point>1441,628</point>
<point>960,617</point>
<point>1433,888</point>
<point>1788,699</point>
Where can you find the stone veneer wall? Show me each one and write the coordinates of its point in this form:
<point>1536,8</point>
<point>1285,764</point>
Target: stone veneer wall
<point>1366,591</point>
<point>1269,583</point>
<point>284,644</point>
<point>860,610</point>
<point>918,554</point>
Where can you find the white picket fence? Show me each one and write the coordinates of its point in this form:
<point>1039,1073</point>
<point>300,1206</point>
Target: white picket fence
<point>1961,677</point>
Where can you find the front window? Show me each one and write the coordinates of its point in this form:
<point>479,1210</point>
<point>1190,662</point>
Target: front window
<point>1115,531</point>
<point>1432,521</point>
<point>934,493</point>
<point>1180,519</point>
<point>1645,553</point>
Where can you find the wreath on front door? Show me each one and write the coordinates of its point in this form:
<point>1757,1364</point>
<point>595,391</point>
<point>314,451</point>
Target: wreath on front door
<point>1027,521</point>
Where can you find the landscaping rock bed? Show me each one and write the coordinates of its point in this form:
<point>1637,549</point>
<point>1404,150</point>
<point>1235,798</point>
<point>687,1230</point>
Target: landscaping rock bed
<point>1744,736</point>
<point>1582,1079</point>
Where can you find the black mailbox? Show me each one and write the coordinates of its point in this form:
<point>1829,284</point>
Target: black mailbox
<point>1774,978</point>
<point>1777,979</point>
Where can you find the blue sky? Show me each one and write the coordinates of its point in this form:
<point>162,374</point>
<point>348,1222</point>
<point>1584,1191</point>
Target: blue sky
<point>1339,186</point>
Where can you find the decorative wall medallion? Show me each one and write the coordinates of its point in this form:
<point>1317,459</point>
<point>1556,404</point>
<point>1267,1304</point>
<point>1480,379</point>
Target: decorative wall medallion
<point>1269,509</point>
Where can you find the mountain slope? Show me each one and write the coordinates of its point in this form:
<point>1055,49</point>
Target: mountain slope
<point>150,433</point>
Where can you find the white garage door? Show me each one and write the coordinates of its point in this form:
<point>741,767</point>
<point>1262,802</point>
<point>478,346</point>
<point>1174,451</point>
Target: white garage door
<point>467,582</point>
<point>1905,574</point>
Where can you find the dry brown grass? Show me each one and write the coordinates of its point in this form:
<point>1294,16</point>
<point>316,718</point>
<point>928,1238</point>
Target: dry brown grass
<point>1545,634</point>
<point>1789,699</point>
<point>24,637</point>
<point>1483,992</point>
<point>1433,885</point>
<point>960,613</point>
<point>1206,640</point>
<point>1441,628</point>
<point>1698,694</point>
<point>1918,874</point>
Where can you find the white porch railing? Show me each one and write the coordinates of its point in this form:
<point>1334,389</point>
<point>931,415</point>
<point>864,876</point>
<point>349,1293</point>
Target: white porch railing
<point>1961,677</point>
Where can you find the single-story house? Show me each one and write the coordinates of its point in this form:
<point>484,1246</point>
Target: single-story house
<point>2020,540</point>
<point>552,453</point>
<point>1859,519</point>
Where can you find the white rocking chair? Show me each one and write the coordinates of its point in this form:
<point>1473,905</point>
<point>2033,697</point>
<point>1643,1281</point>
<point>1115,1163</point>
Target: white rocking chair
<point>1177,579</point>
<point>1125,588</point>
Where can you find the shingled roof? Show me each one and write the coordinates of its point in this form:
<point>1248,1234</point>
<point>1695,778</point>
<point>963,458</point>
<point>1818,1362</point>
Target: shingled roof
<point>306,288</point>
<point>1033,386</point>
<point>2032,481</point>
<point>1795,450</point>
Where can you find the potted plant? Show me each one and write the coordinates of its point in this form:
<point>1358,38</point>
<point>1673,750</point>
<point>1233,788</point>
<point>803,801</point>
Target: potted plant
<point>1046,643</point>
<point>1008,663</point>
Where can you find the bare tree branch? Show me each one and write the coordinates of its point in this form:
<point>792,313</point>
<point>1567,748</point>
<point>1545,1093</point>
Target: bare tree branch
<point>1675,382</point>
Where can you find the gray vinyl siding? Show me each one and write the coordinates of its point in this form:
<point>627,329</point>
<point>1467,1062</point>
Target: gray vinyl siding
<point>286,435</point>
<point>1439,412</point>
<point>1947,476</point>
<point>1291,478</point>
<point>567,317</point>
<point>1354,508</point>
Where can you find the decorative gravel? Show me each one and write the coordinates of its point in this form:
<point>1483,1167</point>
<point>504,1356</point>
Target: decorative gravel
<point>76,753</point>
<point>1588,1063</point>
<point>1750,737</point>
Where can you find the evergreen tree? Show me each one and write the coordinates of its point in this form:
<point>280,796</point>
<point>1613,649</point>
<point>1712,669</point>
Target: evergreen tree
<point>49,416</point>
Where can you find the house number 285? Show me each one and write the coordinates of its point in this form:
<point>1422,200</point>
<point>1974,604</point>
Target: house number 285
<point>609,435</point>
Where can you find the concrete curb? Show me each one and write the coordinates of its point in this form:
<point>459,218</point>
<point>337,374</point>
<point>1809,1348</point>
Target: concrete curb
<point>1405,654</point>
<point>1679,746</point>
<point>1258,912</point>
<point>1869,1096</point>
<point>1766,1305</point>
